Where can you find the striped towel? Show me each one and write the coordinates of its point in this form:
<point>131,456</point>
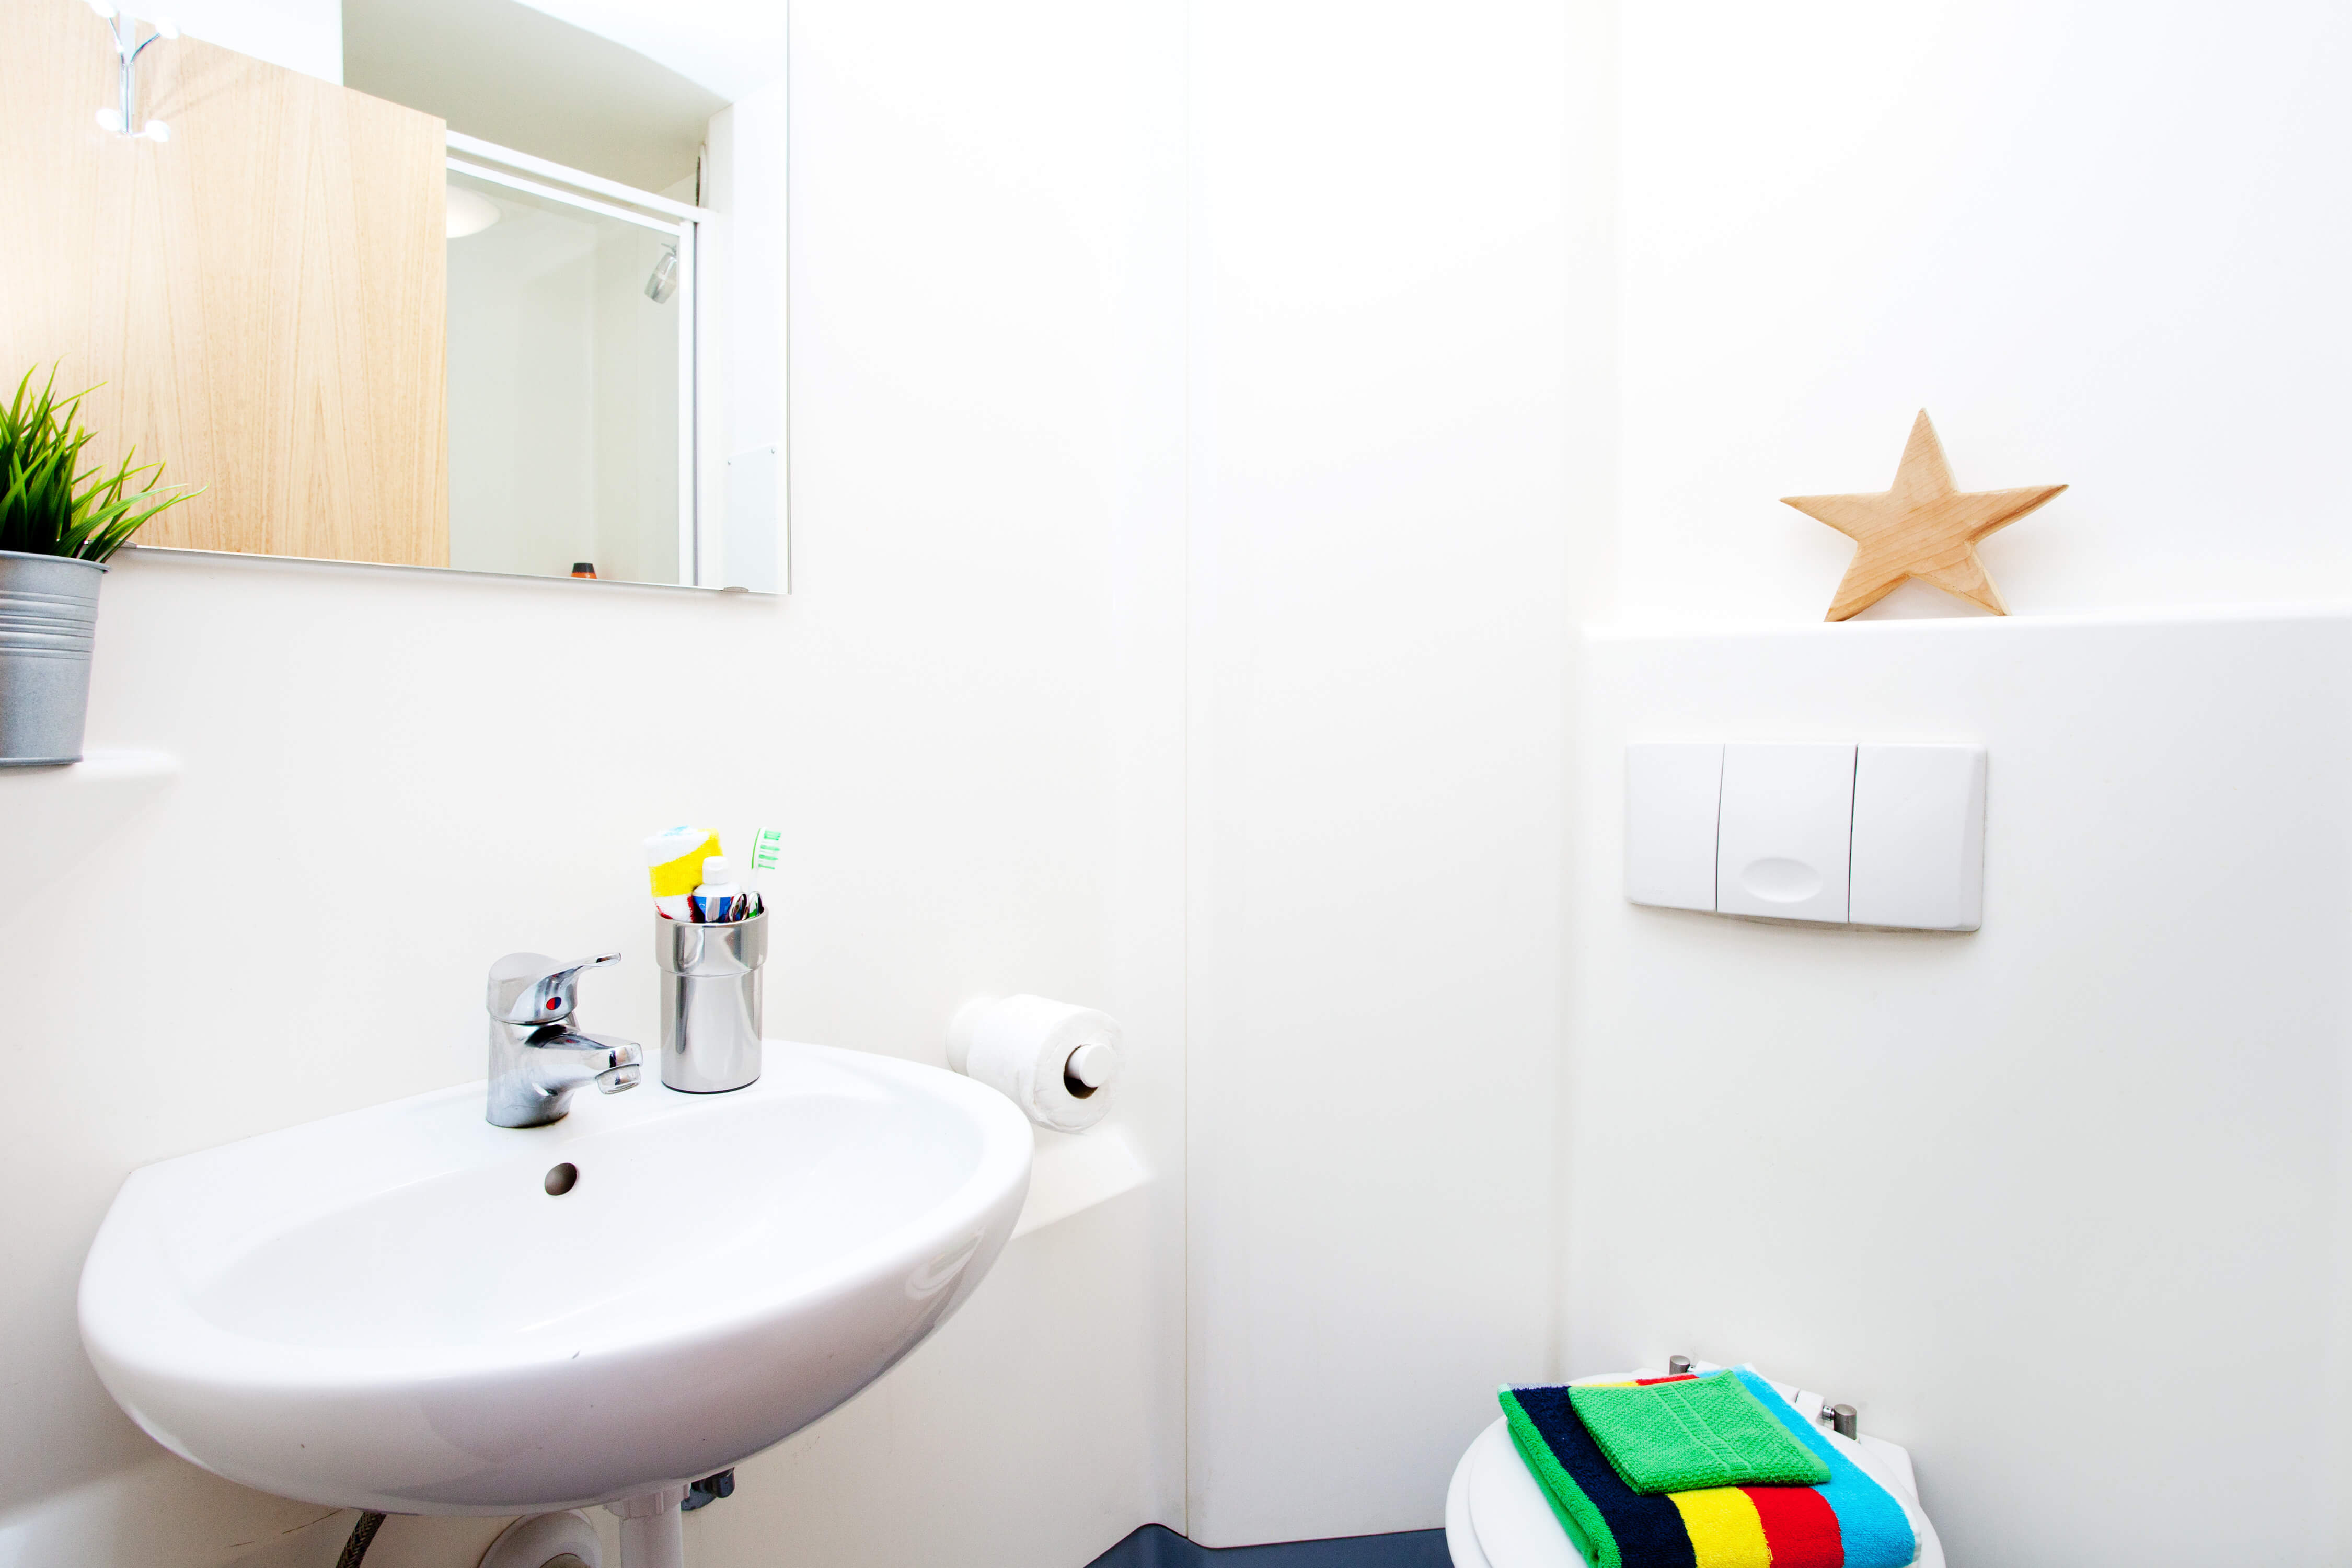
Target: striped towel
<point>1849,1521</point>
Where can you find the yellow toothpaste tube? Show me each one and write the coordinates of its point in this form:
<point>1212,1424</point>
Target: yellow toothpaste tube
<point>674,861</point>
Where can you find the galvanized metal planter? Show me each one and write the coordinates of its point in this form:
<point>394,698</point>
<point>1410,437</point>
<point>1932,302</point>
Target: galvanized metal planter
<point>49,616</point>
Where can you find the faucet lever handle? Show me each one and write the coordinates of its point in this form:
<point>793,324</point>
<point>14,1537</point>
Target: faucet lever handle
<point>532,988</point>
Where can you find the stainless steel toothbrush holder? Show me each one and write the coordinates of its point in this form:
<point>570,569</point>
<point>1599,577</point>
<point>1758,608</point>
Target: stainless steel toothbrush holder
<point>709,1001</point>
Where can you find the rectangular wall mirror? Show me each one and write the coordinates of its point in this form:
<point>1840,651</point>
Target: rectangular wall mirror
<point>476,287</point>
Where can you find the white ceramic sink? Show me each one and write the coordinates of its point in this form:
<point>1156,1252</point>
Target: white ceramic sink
<point>389,1310</point>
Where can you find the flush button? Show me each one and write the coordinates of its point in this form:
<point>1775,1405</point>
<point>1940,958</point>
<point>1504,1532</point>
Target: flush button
<point>1671,794</point>
<point>1919,836</point>
<point>1785,831</point>
<point>1779,880</point>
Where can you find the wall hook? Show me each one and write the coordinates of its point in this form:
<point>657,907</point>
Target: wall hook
<point>123,29</point>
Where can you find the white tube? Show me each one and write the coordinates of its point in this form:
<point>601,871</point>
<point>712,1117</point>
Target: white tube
<point>653,1530</point>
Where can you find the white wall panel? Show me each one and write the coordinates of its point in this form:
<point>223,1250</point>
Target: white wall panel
<point>2056,1202</point>
<point>1381,387</point>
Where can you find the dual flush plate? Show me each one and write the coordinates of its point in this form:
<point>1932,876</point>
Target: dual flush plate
<point>1860,835</point>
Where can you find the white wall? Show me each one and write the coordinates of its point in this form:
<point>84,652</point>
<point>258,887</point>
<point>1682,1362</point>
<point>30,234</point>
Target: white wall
<point>1387,282</point>
<point>2059,1203</point>
<point>2100,243</point>
<point>374,803</point>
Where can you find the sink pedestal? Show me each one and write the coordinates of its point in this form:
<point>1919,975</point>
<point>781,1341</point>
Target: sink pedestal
<point>653,1530</point>
<point>544,1537</point>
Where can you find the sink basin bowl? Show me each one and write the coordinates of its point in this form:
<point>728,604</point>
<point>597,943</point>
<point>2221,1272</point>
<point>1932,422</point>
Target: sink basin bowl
<point>392,1308</point>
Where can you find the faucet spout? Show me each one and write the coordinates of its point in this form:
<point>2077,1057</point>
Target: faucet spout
<point>617,1063</point>
<point>573,1058</point>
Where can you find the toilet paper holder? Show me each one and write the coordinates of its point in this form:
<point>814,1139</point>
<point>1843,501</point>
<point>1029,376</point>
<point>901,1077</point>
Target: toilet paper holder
<point>1091,1066</point>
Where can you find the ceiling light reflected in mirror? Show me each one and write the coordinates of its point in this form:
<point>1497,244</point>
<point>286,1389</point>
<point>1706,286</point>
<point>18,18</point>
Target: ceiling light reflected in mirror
<point>471,212</point>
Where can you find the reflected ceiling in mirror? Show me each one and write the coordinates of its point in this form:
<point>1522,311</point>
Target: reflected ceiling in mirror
<point>504,72</point>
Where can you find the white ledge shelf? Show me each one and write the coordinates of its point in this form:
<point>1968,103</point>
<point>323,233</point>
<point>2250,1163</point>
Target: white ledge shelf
<point>51,817</point>
<point>1074,1171</point>
<point>99,767</point>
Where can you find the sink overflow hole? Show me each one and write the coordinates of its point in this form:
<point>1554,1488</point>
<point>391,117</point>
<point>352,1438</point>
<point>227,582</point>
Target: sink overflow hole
<point>560,1179</point>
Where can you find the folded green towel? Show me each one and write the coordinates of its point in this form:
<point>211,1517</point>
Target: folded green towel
<point>1681,1434</point>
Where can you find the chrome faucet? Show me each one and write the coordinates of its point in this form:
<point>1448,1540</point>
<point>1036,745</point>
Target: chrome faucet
<point>537,1058</point>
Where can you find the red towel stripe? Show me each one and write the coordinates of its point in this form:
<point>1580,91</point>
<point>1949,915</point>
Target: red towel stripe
<point>1678,1377</point>
<point>1800,1526</point>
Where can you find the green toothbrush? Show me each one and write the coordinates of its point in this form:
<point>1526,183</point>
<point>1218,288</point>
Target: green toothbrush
<point>767,849</point>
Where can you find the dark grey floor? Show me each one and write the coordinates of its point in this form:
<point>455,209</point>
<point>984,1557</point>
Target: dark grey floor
<point>1157,1546</point>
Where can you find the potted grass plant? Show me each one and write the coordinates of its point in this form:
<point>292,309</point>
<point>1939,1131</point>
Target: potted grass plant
<point>59,523</point>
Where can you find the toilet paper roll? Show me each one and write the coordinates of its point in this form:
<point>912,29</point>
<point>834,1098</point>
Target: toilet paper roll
<point>1023,1048</point>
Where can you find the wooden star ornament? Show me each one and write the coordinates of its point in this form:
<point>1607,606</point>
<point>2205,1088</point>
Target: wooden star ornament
<point>1924,527</point>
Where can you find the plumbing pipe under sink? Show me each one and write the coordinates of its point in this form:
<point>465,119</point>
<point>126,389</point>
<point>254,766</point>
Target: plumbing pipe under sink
<point>653,1530</point>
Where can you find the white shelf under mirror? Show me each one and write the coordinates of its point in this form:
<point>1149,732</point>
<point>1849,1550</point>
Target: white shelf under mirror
<point>51,817</point>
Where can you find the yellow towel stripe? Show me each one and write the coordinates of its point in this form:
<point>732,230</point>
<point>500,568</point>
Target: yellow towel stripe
<point>1723,1528</point>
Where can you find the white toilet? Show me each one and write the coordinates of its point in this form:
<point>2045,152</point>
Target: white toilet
<point>1497,1517</point>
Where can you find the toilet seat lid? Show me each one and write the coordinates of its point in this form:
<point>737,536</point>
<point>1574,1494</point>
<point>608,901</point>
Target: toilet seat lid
<point>1512,1521</point>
